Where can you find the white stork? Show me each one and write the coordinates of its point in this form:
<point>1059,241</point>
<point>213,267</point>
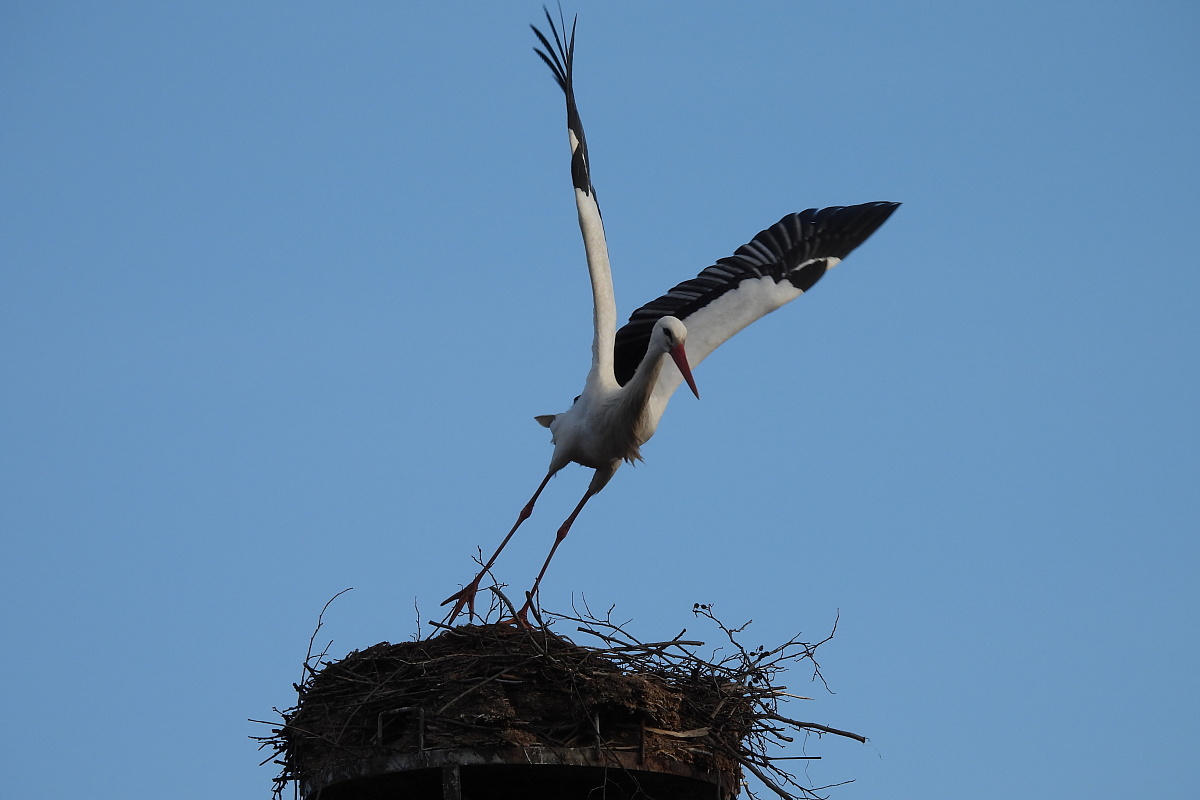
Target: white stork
<point>631,379</point>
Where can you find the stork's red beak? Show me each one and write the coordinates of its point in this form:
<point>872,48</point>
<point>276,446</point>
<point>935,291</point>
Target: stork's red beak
<point>680,358</point>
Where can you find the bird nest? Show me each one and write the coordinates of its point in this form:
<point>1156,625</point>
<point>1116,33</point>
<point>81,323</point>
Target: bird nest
<point>493,686</point>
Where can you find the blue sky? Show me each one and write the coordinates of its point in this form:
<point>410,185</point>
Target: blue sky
<point>282,286</point>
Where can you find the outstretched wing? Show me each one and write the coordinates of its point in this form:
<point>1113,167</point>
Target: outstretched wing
<point>775,267</point>
<point>561,59</point>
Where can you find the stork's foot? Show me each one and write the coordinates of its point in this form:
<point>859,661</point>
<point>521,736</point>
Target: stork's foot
<point>519,620</point>
<point>463,599</point>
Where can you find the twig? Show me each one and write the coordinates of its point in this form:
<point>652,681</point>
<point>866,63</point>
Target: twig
<point>313,638</point>
<point>816,727</point>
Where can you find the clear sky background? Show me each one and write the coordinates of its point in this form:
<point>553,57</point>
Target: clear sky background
<point>282,286</point>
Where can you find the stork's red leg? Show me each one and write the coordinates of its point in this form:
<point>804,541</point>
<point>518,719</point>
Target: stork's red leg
<point>522,617</point>
<point>466,597</point>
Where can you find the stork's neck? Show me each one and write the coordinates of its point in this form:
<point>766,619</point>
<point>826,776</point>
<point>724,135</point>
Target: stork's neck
<point>635,394</point>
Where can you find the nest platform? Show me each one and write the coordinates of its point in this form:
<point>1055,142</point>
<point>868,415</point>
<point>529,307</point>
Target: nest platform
<point>517,713</point>
<point>495,711</point>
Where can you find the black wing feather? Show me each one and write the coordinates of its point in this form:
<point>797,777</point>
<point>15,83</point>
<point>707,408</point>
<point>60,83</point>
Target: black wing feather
<point>561,61</point>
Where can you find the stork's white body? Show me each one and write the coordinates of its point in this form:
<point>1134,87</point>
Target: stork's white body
<point>631,378</point>
<point>609,423</point>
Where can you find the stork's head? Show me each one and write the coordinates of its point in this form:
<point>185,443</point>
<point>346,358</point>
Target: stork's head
<point>669,335</point>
